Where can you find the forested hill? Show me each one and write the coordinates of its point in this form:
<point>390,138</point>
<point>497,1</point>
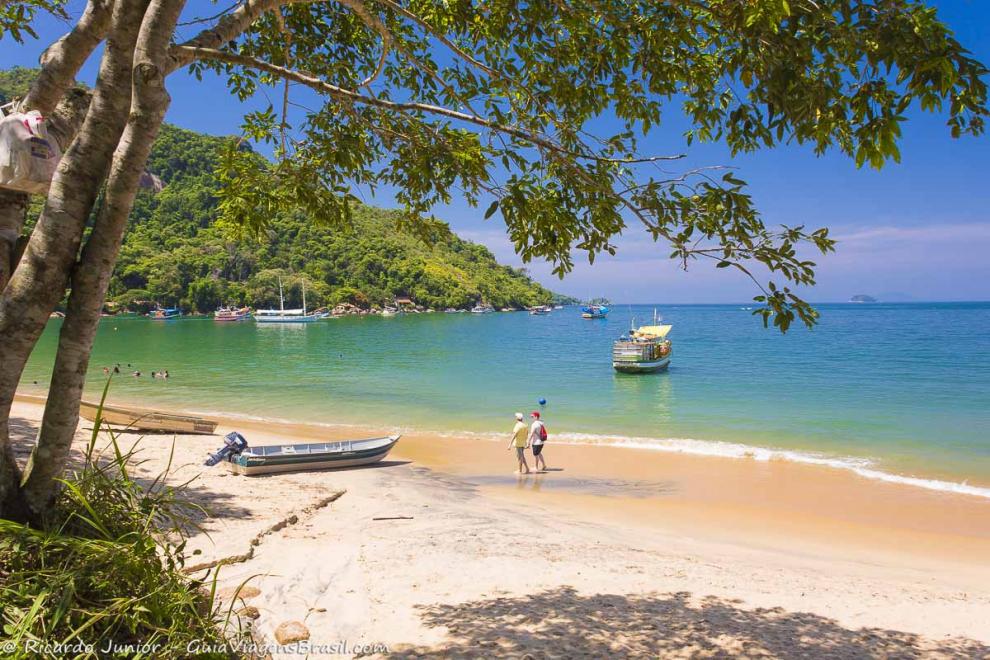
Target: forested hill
<point>175,254</point>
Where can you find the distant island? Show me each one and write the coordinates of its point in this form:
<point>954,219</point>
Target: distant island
<point>863,298</point>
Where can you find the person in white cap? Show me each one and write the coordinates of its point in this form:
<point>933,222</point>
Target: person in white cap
<point>520,440</point>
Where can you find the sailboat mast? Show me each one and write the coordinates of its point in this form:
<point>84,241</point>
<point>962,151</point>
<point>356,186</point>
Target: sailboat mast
<point>304,297</point>
<point>281,298</point>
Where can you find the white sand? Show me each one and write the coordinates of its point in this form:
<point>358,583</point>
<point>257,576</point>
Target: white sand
<point>484,571</point>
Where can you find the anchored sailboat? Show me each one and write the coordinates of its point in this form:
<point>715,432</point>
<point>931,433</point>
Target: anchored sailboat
<point>283,315</point>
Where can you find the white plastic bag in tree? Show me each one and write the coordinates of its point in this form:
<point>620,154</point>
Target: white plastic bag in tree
<point>28,156</point>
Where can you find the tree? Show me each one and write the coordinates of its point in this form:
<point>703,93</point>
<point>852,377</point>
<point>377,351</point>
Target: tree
<point>492,101</point>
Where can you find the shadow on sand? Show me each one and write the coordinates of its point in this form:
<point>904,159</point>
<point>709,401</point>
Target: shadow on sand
<point>561,623</point>
<point>23,434</point>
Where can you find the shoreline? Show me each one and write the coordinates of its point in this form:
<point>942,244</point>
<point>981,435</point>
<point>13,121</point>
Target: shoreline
<point>723,498</point>
<point>865,468</point>
<point>842,553</point>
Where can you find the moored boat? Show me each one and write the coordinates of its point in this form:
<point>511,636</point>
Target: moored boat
<point>283,315</point>
<point>540,310</point>
<point>147,420</point>
<point>644,350</point>
<point>240,458</point>
<point>482,309</point>
<point>594,312</point>
<point>165,313</point>
<point>226,314</point>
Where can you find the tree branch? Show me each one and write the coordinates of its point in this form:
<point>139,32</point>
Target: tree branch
<point>376,24</point>
<point>226,29</point>
<point>280,20</point>
<point>62,60</point>
<point>190,53</point>
<point>440,36</point>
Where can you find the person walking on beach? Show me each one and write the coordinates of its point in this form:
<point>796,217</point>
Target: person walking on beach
<point>520,440</point>
<point>538,436</point>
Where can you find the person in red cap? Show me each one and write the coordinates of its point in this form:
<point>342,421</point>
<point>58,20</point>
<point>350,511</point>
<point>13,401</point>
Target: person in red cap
<point>538,436</point>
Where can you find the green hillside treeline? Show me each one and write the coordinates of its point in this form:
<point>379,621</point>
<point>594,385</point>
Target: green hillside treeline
<point>176,254</point>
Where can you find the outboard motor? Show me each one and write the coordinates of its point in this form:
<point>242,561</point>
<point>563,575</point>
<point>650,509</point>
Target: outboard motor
<point>234,443</point>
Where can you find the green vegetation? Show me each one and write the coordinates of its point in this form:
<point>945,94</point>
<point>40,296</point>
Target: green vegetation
<point>176,252</point>
<point>104,566</point>
<point>15,82</point>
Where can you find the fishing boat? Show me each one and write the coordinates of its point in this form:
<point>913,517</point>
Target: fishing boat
<point>165,313</point>
<point>147,420</point>
<point>540,310</point>
<point>283,315</point>
<point>227,314</point>
<point>243,459</point>
<point>482,309</point>
<point>644,350</point>
<point>594,312</point>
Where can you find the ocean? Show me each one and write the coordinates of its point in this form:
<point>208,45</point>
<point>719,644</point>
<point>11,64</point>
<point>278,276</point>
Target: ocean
<point>899,392</point>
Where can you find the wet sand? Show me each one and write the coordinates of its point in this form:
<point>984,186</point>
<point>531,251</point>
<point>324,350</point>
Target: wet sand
<point>614,551</point>
<point>734,500</point>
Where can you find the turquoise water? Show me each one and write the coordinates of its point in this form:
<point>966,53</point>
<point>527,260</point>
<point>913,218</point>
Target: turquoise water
<point>883,389</point>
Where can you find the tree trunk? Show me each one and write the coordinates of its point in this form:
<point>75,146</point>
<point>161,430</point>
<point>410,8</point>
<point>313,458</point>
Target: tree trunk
<point>91,276</point>
<point>62,60</point>
<point>63,124</point>
<point>59,65</point>
<point>40,280</point>
<point>13,209</point>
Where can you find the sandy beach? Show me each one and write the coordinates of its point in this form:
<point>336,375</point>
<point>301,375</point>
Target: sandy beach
<point>442,551</point>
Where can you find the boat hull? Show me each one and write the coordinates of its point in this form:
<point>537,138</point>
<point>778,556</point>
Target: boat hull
<point>250,464</point>
<point>230,317</point>
<point>286,319</point>
<point>148,420</point>
<point>641,367</point>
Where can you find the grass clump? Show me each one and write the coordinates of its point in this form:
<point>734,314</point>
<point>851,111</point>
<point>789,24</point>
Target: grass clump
<point>101,576</point>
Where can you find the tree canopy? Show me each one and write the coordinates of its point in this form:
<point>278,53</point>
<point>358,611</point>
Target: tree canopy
<point>500,100</point>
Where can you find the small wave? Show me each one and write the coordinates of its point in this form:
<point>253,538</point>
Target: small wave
<point>863,467</point>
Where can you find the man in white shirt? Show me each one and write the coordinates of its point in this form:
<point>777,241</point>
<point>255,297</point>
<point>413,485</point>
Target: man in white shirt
<point>536,439</point>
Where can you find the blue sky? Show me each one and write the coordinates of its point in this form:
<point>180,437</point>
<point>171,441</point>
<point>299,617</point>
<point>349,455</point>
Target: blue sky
<point>918,229</point>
